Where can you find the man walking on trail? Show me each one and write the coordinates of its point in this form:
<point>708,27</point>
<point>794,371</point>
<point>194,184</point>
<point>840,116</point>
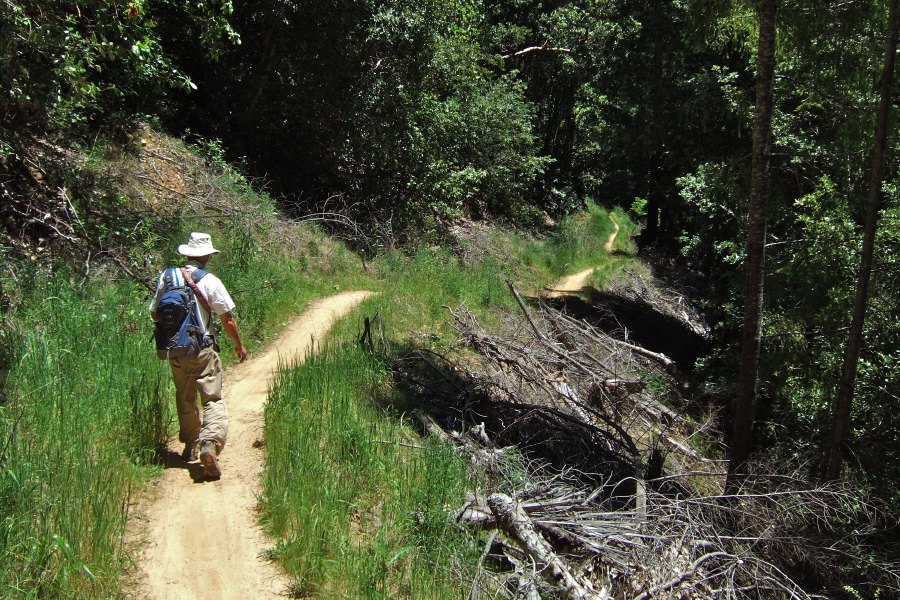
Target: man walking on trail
<point>202,372</point>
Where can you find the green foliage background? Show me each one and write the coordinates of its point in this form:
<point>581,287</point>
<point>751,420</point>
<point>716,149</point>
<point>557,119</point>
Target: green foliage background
<point>398,119</point>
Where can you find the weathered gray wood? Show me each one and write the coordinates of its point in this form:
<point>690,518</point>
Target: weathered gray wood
<point>515,522</point>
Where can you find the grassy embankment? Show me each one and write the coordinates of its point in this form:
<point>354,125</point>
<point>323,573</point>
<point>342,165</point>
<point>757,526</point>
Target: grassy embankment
<point>84,405</point>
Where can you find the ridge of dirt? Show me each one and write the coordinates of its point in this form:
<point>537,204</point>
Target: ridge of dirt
<point>197,538</point>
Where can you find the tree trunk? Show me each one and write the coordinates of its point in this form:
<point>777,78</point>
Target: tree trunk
<point>756,234</point>
<point>654,195</point>
<point>840,421</point>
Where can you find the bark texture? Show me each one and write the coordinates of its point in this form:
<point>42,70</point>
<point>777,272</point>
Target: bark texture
<point>514,521</point>
<point>756,235</point>
<point>840,421</point>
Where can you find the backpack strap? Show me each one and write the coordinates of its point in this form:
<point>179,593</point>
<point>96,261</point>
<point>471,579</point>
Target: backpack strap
<point>197,293</point>
<point>169,279</point>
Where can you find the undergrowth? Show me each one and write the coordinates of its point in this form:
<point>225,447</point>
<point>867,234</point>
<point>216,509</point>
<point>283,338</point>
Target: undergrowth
<point>579,241</point>
<point>85,406</point>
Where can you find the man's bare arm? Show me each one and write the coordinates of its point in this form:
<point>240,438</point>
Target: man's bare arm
<point>231,328</point>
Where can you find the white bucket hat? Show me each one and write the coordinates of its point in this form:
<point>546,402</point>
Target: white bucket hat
<point>199,244</point>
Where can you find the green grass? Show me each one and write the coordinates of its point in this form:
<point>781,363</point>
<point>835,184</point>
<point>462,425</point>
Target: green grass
<point>360,514</point>
<point>85,406</point>
<point>359,511</point>
<point>579,241</point>
<point>416,287</point>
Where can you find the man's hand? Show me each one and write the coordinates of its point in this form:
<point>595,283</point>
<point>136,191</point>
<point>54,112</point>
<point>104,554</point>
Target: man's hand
<point>241,352</point>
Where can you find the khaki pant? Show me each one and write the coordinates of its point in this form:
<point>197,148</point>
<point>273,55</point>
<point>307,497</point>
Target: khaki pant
<point>201,373</point>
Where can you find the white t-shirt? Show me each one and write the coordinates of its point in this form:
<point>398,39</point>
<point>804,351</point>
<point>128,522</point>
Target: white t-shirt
<point>210,286</point>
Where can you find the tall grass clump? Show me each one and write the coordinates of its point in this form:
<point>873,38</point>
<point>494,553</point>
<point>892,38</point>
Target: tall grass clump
<point>85,406</point>
<point>420,283</point>
<point>355,497</point>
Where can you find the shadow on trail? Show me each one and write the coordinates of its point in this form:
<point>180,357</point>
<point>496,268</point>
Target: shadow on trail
<point>170,459</point>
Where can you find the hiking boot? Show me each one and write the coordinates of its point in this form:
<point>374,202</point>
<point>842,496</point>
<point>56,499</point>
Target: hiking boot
<point>191,452</point>
<point>208,460</point>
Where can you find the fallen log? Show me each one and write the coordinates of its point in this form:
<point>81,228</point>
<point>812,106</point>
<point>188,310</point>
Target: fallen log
<point>667,363</point>
<point>515,522</point>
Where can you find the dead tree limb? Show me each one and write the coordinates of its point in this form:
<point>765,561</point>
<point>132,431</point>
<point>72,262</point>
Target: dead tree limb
<point>476,581</point>
<point>667,363</point>
<point>681,578</point>
<point>515,522</point>
<point>535,49</point>
<point>525,312</point>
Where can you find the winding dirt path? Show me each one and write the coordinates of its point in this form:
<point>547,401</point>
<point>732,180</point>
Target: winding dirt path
<point>571,284</point>
<point>200,538</point>
<point>608,246</point>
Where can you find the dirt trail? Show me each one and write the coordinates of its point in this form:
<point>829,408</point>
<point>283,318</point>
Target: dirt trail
<point>201,538</point>
<point>575,283</point>
<point>608,246</point>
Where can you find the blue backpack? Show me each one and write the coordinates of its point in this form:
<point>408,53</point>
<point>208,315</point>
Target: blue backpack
<point>178,330</point>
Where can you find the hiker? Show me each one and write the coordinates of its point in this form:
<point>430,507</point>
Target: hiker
<point>199,369</point>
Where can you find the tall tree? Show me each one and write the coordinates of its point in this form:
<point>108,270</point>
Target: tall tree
<point>756,234</point>
<point>831,463</point>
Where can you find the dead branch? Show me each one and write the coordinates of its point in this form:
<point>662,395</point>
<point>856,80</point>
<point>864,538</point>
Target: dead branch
<point>560,381</point>
<point>473,594</point>
<point>525,312</point>
<point>535,49</point>
<point>515,522</point>
<point>681,578</point>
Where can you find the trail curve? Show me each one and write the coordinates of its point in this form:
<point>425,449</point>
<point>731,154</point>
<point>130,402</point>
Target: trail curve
<point>572,284</point>
<point>608,246</point>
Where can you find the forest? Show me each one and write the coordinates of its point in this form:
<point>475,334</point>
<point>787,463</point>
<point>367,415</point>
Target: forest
<point>755,143</point>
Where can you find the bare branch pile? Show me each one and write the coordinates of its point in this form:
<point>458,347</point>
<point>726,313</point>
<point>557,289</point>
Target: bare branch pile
<point>559,538</point>
<point>619,503</point>
<point>567,374</point>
